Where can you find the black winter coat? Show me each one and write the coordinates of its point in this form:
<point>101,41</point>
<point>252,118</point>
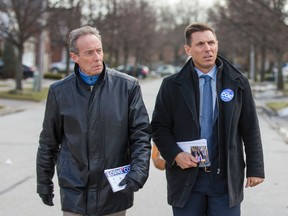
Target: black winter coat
<point>176,119</point>
<point>87,129</point>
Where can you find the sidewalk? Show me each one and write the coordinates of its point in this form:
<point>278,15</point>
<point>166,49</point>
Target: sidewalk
<point>266,92</point>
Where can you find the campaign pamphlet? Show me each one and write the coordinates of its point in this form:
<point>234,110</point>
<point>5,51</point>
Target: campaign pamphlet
<point>198,148</point>
<point>116,175</point>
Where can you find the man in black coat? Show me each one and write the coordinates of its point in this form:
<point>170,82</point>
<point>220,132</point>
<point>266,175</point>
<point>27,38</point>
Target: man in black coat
<point>215,188</point>
<point>95,120</point>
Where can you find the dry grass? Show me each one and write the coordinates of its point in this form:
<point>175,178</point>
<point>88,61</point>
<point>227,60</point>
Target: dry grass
<point>25,94</point>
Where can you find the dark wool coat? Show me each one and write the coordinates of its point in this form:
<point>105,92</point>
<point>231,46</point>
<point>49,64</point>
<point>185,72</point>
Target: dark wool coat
<point>88,129</point>
<point>176,119</point>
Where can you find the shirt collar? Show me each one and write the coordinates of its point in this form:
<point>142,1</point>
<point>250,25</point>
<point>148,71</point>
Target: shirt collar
<point>212,73</point>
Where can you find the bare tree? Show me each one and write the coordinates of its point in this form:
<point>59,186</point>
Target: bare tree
<point>172,21</point>
<point>128,29</point>
<point>259,23</point>
<point>112,17</point>
<point>144,26</point>
<point>234,43</point>
<point>135,30</point>
<point>19,21</point>
<point>65,15</point>
<point>109,24</point>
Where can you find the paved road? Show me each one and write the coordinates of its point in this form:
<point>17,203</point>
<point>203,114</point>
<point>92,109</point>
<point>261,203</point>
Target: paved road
<point>18,146</point>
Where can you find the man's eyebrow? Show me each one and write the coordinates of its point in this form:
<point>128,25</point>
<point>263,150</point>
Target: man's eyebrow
<point>200,42</point>
<point>204,41</point>
<point>87,51</point>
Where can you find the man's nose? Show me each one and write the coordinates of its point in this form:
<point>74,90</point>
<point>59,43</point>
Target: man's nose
<point>207,46</point>
<point>97,56</point>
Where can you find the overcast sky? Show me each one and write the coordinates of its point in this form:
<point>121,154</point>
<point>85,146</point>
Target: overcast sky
<point>204,3</point>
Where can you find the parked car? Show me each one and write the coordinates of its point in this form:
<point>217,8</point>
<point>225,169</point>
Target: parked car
<point>60,67</point>
<point>166,69</point>
<point>141,71</point>
<point>28,71</point>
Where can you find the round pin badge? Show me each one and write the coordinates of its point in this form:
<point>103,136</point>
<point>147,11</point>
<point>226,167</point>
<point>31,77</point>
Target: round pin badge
<point>227,95</point>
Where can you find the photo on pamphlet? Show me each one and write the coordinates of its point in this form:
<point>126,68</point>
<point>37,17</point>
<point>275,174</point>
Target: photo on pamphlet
<point>201,154</point>
<point>198,148</point>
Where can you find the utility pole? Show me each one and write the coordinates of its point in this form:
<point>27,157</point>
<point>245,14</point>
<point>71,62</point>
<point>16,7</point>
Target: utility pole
<point>252,63</point>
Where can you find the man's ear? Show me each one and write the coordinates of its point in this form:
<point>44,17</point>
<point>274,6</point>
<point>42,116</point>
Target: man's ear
<point>187,50</point>
<point>74,57</point>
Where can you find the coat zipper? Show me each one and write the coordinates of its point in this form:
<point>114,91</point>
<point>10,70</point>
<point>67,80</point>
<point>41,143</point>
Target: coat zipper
<point>218,124</point>
<point>219,152</point>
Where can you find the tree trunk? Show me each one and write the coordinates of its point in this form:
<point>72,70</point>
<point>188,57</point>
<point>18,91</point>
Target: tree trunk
<point>252,62</point>
<point>263,60</point>
<point>19,72</point>
<point>279,76</point>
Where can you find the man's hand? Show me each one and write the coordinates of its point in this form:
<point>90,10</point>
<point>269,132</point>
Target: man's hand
<point>186,160</point>
<point>253,181</point>
<point>47,199</point>
<point>131,185</point>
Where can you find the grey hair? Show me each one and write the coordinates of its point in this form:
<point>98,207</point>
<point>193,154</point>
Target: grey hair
<point>76,33</point>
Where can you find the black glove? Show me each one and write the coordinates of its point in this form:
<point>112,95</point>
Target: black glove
<point>47,199</point>
<point>131,185</point>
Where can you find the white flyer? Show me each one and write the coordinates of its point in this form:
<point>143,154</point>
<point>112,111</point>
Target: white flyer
<point>116,175</point>
<point>198,148</point>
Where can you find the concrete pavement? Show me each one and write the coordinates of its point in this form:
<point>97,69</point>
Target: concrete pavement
<point>19,141</point>
<point>267,92</point>
<point>270,197</point>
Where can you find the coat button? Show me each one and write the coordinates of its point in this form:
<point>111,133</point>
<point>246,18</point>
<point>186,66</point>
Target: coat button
<point>188,183</point>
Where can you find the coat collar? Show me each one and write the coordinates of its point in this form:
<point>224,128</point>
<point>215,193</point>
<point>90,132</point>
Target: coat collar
<point>225,69</point>
<point>101,78</point>
<point>188,84</point>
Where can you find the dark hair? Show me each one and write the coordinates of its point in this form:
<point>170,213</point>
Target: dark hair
<point>195,27</point>
<point>76,33</point>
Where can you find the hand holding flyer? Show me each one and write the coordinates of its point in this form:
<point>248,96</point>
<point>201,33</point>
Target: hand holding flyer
<point>198,148</point>
<point>115,176</point>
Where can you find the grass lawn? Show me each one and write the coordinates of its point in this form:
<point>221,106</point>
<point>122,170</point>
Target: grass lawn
<point>286,89</point>
<point>25,94</point>
<point>277,105</point>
